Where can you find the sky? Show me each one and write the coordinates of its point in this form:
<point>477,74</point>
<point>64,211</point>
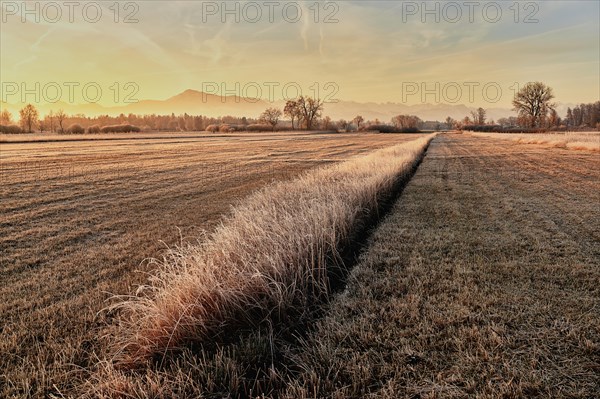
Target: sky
<point>473,53</point>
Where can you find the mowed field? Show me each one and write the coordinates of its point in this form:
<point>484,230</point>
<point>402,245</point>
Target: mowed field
<point>79,217</point>
<point>482,282</point>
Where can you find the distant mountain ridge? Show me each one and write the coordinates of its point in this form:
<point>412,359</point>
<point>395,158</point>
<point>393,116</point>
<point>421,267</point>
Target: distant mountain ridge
<point>195,102</point>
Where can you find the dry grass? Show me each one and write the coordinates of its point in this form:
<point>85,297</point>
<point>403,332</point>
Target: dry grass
<point>575,140</point>
<point>483,282</point>
<point>80,217</point>
<point>269,263</point>
<point>56,137</point>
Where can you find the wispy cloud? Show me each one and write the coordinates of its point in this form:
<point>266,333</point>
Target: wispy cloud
<point>368,53</point>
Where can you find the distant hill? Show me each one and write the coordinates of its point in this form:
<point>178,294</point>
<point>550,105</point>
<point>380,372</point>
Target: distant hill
<point>190,101</point>
<point>198,103</point>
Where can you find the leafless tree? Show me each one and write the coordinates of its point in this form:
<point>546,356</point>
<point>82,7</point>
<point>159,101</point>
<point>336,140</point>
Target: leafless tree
<point>292,110</point>
<point>311,110</point>
<point>553,119</point>
<point>481,116</point>
<point>5,117</point>
<point>327,124</point>
<point>570,120</point>
<point>270,117</point>
<point>29,117</point>
<point>584,115</point>
<point>358,120</point>
<point>49,121</point>
<point>60,118</point>
<point>406,121</point>
<point>478,116</point>
<point>342,124</point>
<point>532,102</point>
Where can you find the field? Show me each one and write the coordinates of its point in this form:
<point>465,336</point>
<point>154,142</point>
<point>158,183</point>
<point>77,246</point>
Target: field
<point>481,280</point>
<point>589,141</point>
<point>80,217</point>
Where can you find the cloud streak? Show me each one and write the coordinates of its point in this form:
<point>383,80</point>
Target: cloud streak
<point>368,53</point>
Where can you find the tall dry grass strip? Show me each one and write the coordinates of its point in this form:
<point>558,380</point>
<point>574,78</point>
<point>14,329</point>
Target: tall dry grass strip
<point>269,260</point>
<point>576,141</point>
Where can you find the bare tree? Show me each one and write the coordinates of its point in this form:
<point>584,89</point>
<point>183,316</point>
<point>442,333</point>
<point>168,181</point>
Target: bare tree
<point>449,123</point>
<point>478,116</point>
<point>584,115</point>
<point>553,119</point>
<point>292,110</point>
<point>481,116</point>
<point>198,124</point>
<point>357,121</point>
<point>311,110</point>
<point>271,117</point>
<point>504,122</point>
<point>49,121</point>
<point>532,102</point>
<point>60,118</point>
<point>570,117</point>
<point>29,117</point>
<point>343,124</point>
<point>5,117</point>
<point>406,121</point>
<point>474,116</point>
<point>327,124</point>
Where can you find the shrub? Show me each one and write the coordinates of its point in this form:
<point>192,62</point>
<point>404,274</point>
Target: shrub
<point>120,129</point>
<point>258,128</point>
<point>483,128</point>
<point>224,128</point>
<point>392,129</point>
<point>500,129</point>
<point>11,129</point>
<point>212,128</point>
<point>93,129</point>
<point>75,129</point>
<point>381,128</point>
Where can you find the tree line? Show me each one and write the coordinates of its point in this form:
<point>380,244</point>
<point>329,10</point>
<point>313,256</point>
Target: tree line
<point>59,122</point>
<point>533,104</point>
<point>303,113</point>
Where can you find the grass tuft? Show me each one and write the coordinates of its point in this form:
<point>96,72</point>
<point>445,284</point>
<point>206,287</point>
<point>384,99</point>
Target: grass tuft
<point>269,261</point>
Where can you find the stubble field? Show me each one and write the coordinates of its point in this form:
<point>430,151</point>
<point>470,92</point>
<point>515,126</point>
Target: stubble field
<point>481,281</point>
<point>80,217</point>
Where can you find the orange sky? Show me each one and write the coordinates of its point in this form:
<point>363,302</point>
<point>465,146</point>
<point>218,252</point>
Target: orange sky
<point>376,51</point>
